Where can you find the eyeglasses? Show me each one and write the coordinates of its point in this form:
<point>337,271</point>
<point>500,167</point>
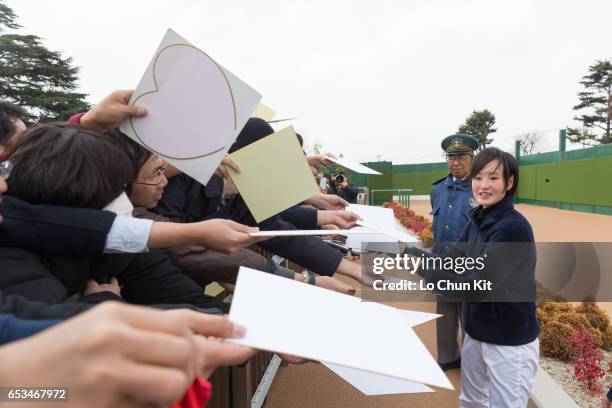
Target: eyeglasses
<point>5,169</point>
<point>159,176</point>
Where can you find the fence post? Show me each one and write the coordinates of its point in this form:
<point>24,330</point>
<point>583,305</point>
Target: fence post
<point>562,133</point>
<point>517,149</point>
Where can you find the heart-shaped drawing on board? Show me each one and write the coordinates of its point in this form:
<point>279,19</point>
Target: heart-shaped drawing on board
<point>184,74</point>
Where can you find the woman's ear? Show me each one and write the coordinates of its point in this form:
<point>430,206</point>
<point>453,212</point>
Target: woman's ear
<point>510,183</point>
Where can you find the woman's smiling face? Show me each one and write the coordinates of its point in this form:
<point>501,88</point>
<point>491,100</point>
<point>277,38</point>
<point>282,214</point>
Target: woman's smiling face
<point>489,186</point>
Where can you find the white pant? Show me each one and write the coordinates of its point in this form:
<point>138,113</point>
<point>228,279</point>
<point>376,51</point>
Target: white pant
<point>497,376</point>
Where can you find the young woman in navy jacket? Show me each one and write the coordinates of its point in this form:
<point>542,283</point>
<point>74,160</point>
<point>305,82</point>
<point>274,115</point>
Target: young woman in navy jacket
<point>500,350</point>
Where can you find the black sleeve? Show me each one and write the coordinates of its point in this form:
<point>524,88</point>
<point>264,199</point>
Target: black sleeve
<point>51,230</point>
<point>309,252</point>
<point>301,217</point>
<point>99,297</point>
<point>151,279</point>
<point>27,309</point>
<point>351,192</point>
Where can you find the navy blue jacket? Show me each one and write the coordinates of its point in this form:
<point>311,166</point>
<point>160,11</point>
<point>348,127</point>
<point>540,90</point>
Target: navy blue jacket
<point>503,323</point>
<point>12,329</point>
<point>450,207</point>
<point>54,230</point>
<point>301,217</point>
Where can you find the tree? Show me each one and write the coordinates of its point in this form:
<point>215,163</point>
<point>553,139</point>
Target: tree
<point>480,125</point>
<point>34,77</point>
<point>596,99</point>
<point>529,141</point>
<point>7,18</point>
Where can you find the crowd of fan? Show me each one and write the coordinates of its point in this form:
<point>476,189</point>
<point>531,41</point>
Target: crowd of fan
<point>105,249</point>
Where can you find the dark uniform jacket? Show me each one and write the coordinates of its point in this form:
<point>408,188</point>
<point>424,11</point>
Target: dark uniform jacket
<point>451,202</point>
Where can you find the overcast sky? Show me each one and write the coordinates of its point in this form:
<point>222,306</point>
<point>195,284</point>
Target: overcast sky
<point>364,77</point>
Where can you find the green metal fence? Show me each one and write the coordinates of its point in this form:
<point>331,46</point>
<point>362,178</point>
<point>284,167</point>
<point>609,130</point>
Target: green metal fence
<point>403,195</point>
<point>579,180</point>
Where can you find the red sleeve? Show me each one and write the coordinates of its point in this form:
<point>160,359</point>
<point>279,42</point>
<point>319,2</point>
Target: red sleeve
<point>75,119</point>
<point>196,396</point>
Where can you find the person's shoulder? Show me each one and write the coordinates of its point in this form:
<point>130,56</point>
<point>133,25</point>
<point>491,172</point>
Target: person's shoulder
<point>437,182</point>
<point>513,227</point>
<point>438,186</point>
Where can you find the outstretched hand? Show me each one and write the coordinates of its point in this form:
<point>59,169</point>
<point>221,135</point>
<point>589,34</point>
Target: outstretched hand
<point>110,111</point>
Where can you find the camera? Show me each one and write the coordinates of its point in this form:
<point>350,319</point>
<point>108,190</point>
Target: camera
<point>338,178</point>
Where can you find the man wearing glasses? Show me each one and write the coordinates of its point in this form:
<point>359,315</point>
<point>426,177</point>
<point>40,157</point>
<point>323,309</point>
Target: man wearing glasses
<point>451,201</point>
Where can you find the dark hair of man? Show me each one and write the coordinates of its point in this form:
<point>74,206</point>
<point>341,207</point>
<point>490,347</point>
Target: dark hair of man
<point>300,139</point>
<point>506,160</point>
<point>70,166</point>
<point>9,112</point>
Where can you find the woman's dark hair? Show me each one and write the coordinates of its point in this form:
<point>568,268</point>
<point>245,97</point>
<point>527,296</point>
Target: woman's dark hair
<point>9,112</point>
<point>138,155</point>
<point>506,160</point>
<point>68,165</point>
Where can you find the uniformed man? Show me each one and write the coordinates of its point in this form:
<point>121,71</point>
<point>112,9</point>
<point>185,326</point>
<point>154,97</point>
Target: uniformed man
<point>451,201</point>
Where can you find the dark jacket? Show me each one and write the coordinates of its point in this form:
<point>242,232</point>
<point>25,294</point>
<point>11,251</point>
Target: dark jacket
<point>147,279</point>
<point>47,230</point>
<point>205,265</point>
<point>186,200</point>
<point>348,193</point>
<point>450,207</point>
<point>51,230</point>
<point>24,308</point>
<point>301,217</point>
<point>497,233</point>
<point>12,328</point>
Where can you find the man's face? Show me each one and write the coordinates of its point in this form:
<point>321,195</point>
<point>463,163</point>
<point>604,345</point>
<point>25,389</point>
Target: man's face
<point>149,186</point>
<point>459,165</point>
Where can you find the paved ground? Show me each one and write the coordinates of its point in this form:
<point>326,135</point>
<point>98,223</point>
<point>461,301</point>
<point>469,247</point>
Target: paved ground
<point>313,385</point>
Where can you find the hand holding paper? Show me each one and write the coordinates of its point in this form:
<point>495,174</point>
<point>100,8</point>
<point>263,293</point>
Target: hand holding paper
<point>340,218</point>
<point>110,111</point>
<point>195,108</point>
<point>221,235</point>
<point>382,222</point>
<point>327,201</point>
